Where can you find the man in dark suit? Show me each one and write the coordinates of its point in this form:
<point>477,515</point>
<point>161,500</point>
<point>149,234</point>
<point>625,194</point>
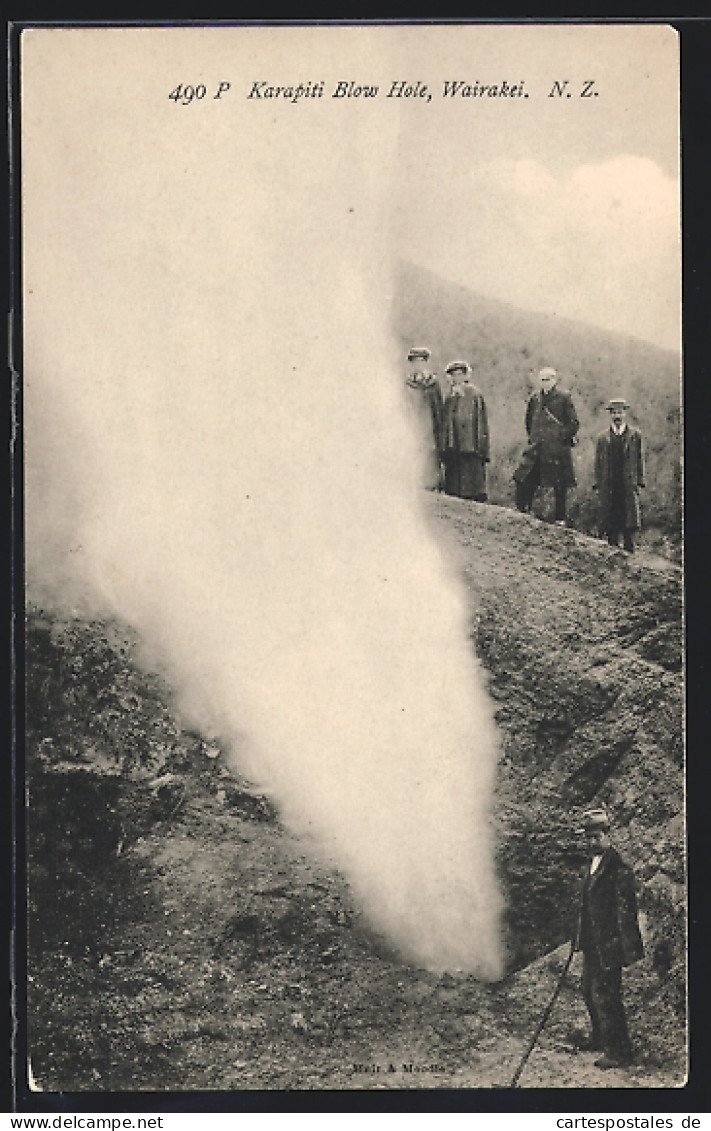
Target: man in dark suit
<point>619,473</point>
<point>552,426</point>
<point>607,932</point>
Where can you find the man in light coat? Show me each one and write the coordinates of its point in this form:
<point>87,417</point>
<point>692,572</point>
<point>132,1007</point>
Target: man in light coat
<point>552,426</point>
<point>607,932</point>
<point>619,473</point>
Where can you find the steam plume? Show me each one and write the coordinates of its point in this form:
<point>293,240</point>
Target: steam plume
<point>217,452</point>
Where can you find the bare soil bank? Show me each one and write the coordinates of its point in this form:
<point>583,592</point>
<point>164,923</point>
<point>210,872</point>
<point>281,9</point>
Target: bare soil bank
<point>182,939</point>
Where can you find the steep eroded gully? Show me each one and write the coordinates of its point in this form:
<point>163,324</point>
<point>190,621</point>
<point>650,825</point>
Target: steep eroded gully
<point>181,939</point>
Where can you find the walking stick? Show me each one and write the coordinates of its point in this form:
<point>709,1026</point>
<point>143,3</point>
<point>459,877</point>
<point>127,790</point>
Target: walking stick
<point>542,1022</point>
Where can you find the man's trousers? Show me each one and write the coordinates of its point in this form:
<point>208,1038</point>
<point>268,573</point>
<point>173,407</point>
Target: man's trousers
<point>602,992</point>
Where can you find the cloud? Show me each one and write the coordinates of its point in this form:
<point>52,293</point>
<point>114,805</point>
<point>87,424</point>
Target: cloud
<point>626,190</point>
<point>599,242</point>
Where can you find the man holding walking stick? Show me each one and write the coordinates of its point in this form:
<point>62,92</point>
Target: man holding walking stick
<point>607,932</point>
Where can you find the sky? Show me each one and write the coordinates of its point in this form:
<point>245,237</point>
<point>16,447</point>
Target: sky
<point>568,205</point>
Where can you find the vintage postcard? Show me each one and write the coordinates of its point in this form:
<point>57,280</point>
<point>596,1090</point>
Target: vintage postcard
<point>351,394</point>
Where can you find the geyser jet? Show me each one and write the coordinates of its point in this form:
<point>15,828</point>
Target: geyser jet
<point>217,451</point>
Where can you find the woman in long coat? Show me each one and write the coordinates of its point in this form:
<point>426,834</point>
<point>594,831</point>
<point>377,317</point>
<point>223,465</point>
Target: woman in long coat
<point>425,402</point>
<point>465,436</point>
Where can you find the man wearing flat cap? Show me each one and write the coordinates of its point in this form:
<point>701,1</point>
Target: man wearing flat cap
<point>607,932</point>
<point>424,398</point>
<point>619,473</point>
<point>552,427</point>
<point>465,436</point>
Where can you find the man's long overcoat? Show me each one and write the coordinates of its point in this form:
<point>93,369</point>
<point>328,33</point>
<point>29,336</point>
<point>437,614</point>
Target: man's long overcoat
<point>613,937</point>
<point>552,425</point>
<point>632,478</point>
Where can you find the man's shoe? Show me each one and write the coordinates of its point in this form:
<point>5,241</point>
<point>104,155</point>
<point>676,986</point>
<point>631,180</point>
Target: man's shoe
<point>583,1041</point>
<point>586,1044</point>
<point>608,1061</point>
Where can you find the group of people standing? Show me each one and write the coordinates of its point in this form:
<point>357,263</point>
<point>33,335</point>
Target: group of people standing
<point>453,426</point>
<point>452,419</point>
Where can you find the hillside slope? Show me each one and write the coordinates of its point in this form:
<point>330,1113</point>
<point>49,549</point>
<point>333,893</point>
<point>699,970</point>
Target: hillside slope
<point>181,938</point>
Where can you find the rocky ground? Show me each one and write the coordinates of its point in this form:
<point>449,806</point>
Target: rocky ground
<point>181,939</point>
